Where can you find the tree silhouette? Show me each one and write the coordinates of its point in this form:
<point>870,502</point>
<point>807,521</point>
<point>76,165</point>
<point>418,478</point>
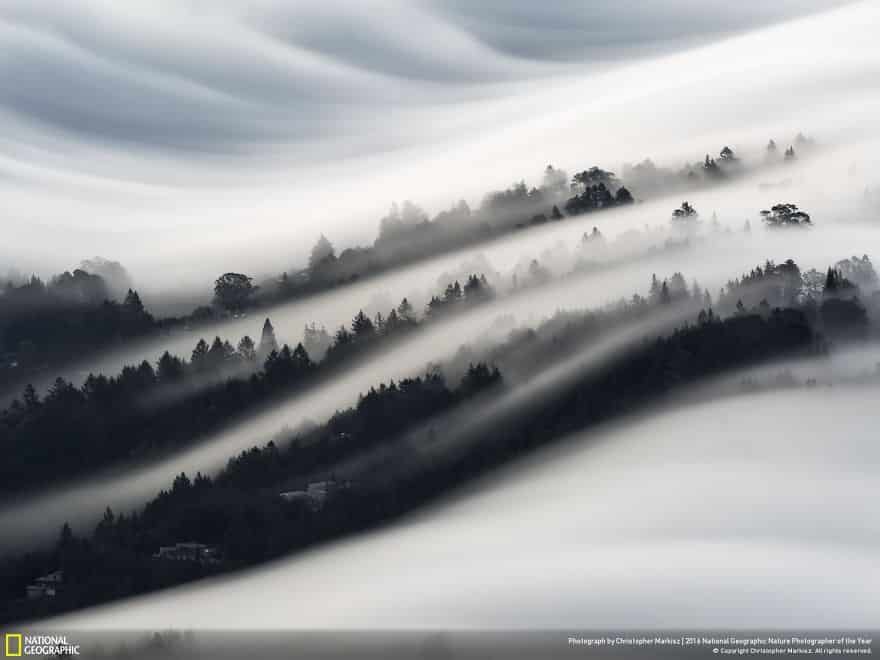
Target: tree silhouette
<point>593,176</point>
<point>232,291</point>
<point>247,349</point>
<point>785,215</point>
<point>405,310</point>
<point>665,297</point>
<point>859,271</point>
<point>685,211</point>
<point>836,284</point>
<point>322,254</point>
<point>169,368</point>
<point>132,303</point>
<point>361,326</point>
<point>316,340</point>
<point>623,196</point>
<point>199,358</point>
<point>268,343</point>
<point>342,337</point>
<point>711,168</point>
<point>685,217</point>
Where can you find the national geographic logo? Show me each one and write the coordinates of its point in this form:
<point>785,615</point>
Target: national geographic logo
<point>12,645</point>
<point>17,645</point>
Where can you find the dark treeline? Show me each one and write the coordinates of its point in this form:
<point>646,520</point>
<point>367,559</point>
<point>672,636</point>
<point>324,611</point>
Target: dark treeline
<point>650,179</point>
<point>233,505</point>
<point>105,421</point>
<point>837,301</point>
<point>242,514</point>
<point>72,430</point>
<point>407,233</point>
<point>44,325</point>
<point>241,510</point>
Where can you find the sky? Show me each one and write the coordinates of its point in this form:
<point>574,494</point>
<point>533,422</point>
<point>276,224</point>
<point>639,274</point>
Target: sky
<point>189,138</point>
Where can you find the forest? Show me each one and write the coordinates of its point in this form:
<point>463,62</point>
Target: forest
<point>439,329</point>
<point>373,463</point>
<point>46,324</point>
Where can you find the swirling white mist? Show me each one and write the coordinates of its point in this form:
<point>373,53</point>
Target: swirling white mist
<point>764,502</point>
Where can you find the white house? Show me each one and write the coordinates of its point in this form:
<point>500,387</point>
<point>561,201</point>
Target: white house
<point>314,495</point>
<point>190,551</point>
<point>46,586</point>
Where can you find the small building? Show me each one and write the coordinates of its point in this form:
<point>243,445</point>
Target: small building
<point>319,490</point>
<point>189,551</point>
<point>46,586</point>
<point>314,495</point>
<point>296,496</point>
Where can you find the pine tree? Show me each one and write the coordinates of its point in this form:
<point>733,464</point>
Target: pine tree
<point>200,354</point>
<point>322,253</point>
<point>268,343</point>
<point>654,292</point>
<point>342,337</point>
<point>132,303</point>
<point>65,538</point>
<point>169,367</point>
<point>405,310</point>
<point>246,349</point>
<point>219,352</point>
<point>316,341</point>
<point>362,326</point>
<point>301,360</point>
<point>623,196</point>
<point>392,323</point>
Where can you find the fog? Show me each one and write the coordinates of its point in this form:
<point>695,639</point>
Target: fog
<point>751,511</point>
<point>35,518</point>
<point>136,133</point>
<point>712,261</point>
<point>186,139</point>
<point>824,184</point>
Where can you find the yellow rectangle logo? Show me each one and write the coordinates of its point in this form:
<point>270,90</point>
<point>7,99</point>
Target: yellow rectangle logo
<point>12,645</point>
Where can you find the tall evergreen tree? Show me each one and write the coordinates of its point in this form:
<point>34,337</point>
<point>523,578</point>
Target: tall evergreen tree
<point>362,326</point>
<point>322,253</point>
<point>268,343</point>
<point>247,349</point>
<point>405,310</point>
